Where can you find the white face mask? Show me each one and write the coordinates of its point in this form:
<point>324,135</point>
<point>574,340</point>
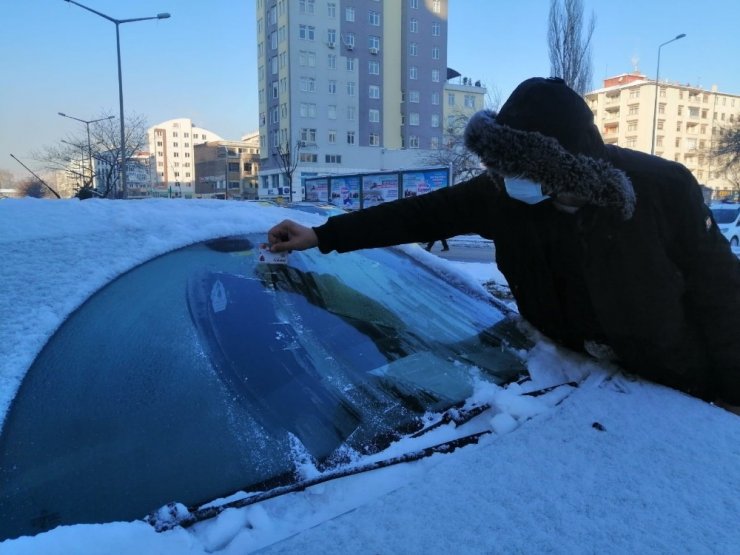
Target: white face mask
<point>524,190</point>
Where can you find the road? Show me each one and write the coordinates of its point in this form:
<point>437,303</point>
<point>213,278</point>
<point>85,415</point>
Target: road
<point>466,249</point>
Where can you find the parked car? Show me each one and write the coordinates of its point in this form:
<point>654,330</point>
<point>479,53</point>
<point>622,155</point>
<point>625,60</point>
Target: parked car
<point>204,372</point>
<point>727,216</point>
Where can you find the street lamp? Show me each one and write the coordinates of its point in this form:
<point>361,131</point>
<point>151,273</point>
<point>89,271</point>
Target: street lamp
<point>124,191</point>
<point>657,76</point>
<point>89,146</point>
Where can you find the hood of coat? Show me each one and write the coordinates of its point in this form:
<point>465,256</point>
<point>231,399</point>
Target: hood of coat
<point>545,133</point>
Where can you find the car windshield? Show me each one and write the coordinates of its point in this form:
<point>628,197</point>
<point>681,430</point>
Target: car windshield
<point>205,372</point>
<point>725,215</point>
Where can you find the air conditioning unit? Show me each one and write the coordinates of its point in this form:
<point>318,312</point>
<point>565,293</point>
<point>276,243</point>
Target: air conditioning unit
<point>349,46</point>
<point>331,44</point>
<point>374,51</point>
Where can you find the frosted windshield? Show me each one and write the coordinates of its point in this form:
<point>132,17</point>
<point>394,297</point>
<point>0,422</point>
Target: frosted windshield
<point>203,372</point>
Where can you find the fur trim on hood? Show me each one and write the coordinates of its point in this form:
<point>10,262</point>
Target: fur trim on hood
<point>509,152</point>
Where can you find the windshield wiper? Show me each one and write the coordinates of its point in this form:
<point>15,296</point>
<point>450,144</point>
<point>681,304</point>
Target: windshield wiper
<point>173,514</point>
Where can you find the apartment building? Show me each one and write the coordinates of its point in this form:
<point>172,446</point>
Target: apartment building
<point>227,169</point>
<point>462,99</point>
<point>681,122</point>
<point>347,86</point>
<point>172,145</point>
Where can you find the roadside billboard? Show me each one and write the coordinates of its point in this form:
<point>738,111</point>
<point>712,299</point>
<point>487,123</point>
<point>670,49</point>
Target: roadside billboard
<point>363,190</point>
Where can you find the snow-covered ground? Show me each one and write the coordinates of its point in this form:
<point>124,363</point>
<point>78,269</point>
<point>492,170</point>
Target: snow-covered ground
<point>616,465</point>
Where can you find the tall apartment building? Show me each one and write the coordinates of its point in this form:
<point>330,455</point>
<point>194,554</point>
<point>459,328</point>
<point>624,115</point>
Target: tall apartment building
<point>686,121</point>
<point>348,86</point>
<point>172,144</point>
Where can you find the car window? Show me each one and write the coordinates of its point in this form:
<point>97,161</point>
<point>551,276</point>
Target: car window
<point>725,215</point>
<point>204,372</point>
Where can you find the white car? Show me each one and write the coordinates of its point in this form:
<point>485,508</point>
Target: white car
<point>727,216</point>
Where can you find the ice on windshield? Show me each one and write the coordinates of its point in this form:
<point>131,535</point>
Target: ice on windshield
<point>188,378</point>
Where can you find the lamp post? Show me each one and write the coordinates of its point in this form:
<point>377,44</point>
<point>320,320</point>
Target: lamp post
<point>657,76</point>
<point>118,22</point>
<point>89,146</point>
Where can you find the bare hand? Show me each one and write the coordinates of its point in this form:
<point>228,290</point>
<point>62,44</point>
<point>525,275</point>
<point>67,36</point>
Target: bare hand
<point>291,236</point>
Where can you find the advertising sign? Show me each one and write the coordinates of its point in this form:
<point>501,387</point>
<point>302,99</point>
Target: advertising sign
<point>379,188</point>
<point>345,192</point>
<point>424,181</point>
<point>317,190</point>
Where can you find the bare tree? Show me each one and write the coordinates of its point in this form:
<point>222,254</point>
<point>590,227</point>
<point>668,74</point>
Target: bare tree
<point>569,45</point>
<point>727,148</point>
<point>104,146</point>
<point>288,161</point>
<point>453,153</point>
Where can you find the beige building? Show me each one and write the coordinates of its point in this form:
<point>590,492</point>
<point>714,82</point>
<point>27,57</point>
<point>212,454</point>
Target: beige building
<point>228,169</point>
<point>462,99</point>
<point>687,121</point>
<point>172,144</point>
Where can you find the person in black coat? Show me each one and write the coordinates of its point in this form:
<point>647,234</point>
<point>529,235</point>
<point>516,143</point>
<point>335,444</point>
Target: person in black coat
<point>606,250</point>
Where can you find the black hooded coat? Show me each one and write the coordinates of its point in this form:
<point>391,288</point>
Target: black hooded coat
<point>641,267</point>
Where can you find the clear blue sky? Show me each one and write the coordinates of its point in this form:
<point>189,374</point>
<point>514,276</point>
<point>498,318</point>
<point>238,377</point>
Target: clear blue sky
<point>201,63</point>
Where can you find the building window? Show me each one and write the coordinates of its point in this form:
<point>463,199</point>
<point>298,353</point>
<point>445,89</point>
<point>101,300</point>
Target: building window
<point>374,116</point>
<point>307,58</point>
<point>351,113</point>
<point>633,109</point>
<point>373,67</point>
<point>373,18</point>
<point>309,157</point>
<point>414,118</point>
<point>333,159</point>
<point>679,110</point>
<point>435,120</point>
<point>661,123</point>
<point>350,64</point>
<point>413,141</point>
<point>331,37</point>
<point>373,42</point>
<point>661,108</point>
<point>436,8</point>
<point>414,4</point>
<point>307,6</point>
<point>678,126</point>
<point>331,10</point>
<point>332,111</point>
<point>374,139</point>
<point>332,137</point>
<point>308,110</point>
<point>413,49</point>
<point>435,99</point>
<point>414,25</point>
<point>469,101</point>
<point>450,99</point>
<point>414,97</point>
<point>436,29</point>
<point>308,135</point>
<point>350,88</point>
<point>373,91</point>
<point>350,137</point>
<point>332,86</point>
<point>349,14</point>
<point>308,84</point>
<point>331,61</point>
<point>349,40</point>
<point>413,72</point>
<point>435,75</point>
<point>306,32</point>
<point>435,53</point>
<point>632,126</point>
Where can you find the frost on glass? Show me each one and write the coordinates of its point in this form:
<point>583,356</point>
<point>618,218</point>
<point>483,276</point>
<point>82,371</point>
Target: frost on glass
<point>196,374</point>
